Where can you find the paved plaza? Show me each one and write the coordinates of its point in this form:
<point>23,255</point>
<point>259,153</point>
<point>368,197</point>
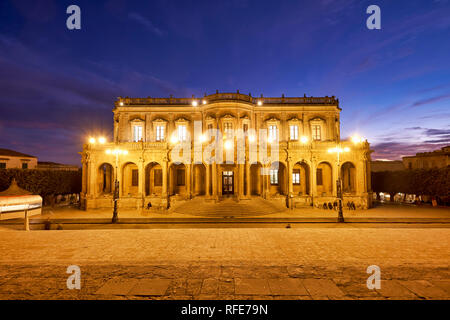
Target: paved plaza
<point>242,263</point>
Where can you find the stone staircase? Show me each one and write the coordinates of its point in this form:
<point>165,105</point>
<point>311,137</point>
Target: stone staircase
<point>228,207</point>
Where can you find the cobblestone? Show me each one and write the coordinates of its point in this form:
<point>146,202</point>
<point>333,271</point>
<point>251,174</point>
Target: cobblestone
<point>316,263</point>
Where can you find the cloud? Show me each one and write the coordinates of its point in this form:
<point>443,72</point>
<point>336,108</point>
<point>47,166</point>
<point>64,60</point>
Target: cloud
<point>396,150</point>
<point>147,23</point>
<point>428,139</point>
<point>430,100</point>
<point>437,132</point>
<point>49,112</point>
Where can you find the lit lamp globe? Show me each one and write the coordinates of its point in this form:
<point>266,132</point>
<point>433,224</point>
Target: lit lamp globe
<point>357,139</point>
<point>228,145</point>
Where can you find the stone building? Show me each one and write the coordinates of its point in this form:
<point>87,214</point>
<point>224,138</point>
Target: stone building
<point>428,160</point>
<point>10,159</point>
<point>48,165</point>
<point>386,165</point>
<point>226,145</point>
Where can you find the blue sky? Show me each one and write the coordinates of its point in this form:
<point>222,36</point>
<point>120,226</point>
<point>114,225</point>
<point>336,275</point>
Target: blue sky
<point>57,86</point>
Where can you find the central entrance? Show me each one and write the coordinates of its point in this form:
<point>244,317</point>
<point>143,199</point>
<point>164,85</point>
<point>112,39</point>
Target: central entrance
<point>227,182</point>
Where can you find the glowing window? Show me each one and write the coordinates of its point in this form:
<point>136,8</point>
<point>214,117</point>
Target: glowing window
<point>182,133</point>
<point>316,132</point>
<point>273,133</point>
<point>137,133</point>
<point>273,176</point>
<point>160,133</point>
<point>294,132</point>
<point>228,128</point>
<point>296,176</point>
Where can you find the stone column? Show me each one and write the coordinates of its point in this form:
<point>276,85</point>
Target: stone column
<point>247,175</point>
<point>313,179</point>
<point>360,177</point>
<point>290,167</point>
<point>214,180</point>
<point>118,172</point>
<point>241,181</point>
<point>264,181</point>
<point>164,193</point>
<point>164,179</point>
<point>84,177</point>
<point>219,181</point>
<point>141,181</point>
<point>90,176</point>
<point>335,174</point>
<point>207,182</point>
<point>188,181</point>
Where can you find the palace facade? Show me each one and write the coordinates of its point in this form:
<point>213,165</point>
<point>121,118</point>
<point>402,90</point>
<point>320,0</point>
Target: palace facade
<point>226,145</point>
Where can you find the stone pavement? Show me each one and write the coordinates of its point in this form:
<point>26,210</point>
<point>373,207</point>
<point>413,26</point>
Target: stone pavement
<point>72,218</point>
<point>306,263</point>
<point>382,211</point>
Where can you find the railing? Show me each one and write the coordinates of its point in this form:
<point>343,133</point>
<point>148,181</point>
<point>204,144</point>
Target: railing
<point>230,96</point>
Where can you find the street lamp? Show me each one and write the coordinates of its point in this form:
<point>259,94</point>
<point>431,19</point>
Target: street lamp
<point>338,150</point>
<point>116,153</point>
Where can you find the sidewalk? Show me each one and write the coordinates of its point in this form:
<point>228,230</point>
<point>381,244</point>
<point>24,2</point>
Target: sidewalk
<point>379,214</point>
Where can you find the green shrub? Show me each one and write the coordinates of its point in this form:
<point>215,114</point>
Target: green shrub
<point>432,182</point>
<point>42,182</point>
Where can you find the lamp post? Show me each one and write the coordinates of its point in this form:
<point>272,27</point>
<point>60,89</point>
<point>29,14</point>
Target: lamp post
<point>116,152</point>
<point>338,150</point>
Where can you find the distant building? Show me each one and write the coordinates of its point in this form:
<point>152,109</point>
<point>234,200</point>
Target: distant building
<point>45,165</point>
<point>10,159</point>
<point>428,160</point>
<point>386,165</point>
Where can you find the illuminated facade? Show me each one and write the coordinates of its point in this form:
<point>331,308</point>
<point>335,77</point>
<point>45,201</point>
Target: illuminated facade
<point>226,145</point>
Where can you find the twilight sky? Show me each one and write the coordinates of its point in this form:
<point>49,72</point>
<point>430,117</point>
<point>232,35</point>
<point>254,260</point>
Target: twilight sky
<point>57,86</point>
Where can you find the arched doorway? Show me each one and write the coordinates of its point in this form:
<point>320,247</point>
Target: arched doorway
<point>130,179</point>
<point>199,179</point>
<point>256,179</point>
<point>324,179</point>
<point>153,179</point>
<point>300,179</point>
<point>105,179</point>
<point>178,179</point>
<point>348,176</point>
<point>277,179</point>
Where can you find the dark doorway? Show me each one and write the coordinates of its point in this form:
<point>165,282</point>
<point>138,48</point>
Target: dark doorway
<point>227,182</point>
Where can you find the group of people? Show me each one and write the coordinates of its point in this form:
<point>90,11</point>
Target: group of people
<point>334,205</point>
